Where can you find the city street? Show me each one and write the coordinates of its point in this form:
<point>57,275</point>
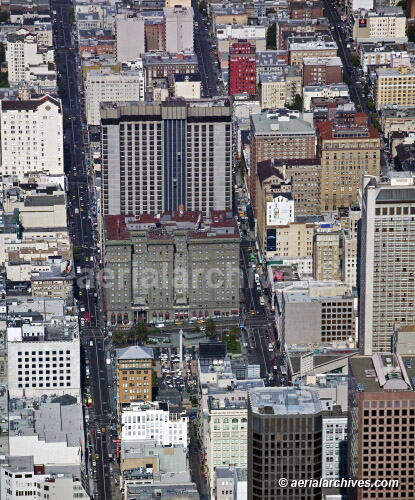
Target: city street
<point>80,216</point>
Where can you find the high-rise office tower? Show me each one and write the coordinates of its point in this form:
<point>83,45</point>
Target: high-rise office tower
<point>284,441</point>
<point>161,157</point>
<point>387,276</point>
<point>381,414</point>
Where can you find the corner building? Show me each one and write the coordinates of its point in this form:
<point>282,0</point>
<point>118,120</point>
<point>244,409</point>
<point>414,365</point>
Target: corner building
<point>284,441</point>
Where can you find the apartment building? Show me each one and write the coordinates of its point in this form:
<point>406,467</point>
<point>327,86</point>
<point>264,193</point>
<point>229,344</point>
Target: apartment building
<point>377,54</point>
<point>278,90</point>
<point>130,37</point>
<point>187,86</point>
<point>397,119</point>
<point>381,404</point>
<point>315,49</point>
<point>305,178</point>
<point>242,69</point>
<point>135,375</point>
<point>381,24</point>
<point>315,312</point>
<point>139,173</point>
<point>387,266</point>
<point>322,70</point>
<point>143,421</point>
<point>279,135</point>
<point>166,65</point>
<point>160,267</point>
<point>297,26</point>
<point>349,219</point>
<point>395,87</point>
<point>277,411</point>
<point>105,85</point>
<point>32,137</point>
<point>347,153</point>
<point>22,50</point>
<point>178,29</point>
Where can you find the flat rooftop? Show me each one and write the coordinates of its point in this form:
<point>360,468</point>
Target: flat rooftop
<point>281,122</point>
<point>285,401</point>
<point>384,372</point>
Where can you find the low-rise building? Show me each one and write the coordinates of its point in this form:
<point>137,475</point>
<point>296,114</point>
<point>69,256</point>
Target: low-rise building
<point>278,90</point>
<point>153,421</point>
<point>397,119</point>
<point>313,93</point>
<point>377,54</point>
<point>314,49</point>
<point>160,64</point>
<point>382,24</point>
<point>187,86</point>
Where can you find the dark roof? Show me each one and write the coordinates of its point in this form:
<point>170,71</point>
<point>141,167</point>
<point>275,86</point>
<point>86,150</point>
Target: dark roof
<point>26,105</point>
<point>191,77</point>
<point>396,195</point>
<point>266,169</point>
<point>406,156</point>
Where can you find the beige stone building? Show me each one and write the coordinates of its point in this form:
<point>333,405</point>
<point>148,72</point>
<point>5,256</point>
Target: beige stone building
<point>305,177</point>
<point>395,86</point>
<point>299,51</point>
<point>279,89</point>
<point>327,255</point>
<point>347,153</point>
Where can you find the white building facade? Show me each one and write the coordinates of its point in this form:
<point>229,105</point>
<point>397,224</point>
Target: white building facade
<point>179,29</point>
<point>101,86</point>
<point>150,421</point>
<point>334,447</point>
<point>32,137</point>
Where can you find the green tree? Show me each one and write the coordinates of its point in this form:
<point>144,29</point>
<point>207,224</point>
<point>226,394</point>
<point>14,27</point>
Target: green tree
<point>71,15</point>
<point>4,17</point>
<point>272,37</point>
<point>140,333</point>
<point>197,328</point>
<point>4,80</point>
<point>210,328</point>
<point>366,89</point>
<point>355,61</point>
<point>370,105</point>
<point>2,53</point>
<point>235,331</point>
<point>202,6</point>
<point>298,103</point>
<point>118,338</point>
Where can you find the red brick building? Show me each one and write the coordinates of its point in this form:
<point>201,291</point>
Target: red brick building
<point>242,69</point>
<point>322,70</point>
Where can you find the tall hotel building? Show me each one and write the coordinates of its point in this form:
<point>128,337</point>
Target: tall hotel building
<point>163,157</point>
<point>387,277</point>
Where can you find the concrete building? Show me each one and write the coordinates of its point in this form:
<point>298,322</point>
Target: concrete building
<point>130,39</point>
<point>286,25</point>
<point>381,404</point>
<point>322,70</point>
<point>395,87</point>
<point>383,24</point>
<point>144,421</point>
<point>227,34</point>
<point>187,86</point>
<point>178,29</point>
<point>334,447</point>
<point>135,375</point>
<point>386,256</point>
<point>327,255</point>
<point>139,173</point>
<point>397,119</point>
<point>44,359</point>
<point>349,219</point>
<point>231,482</point>
<point>173,254</point>
<point>312,93</point>
<point>22,50</point>
<point>20,477</point>
<point>282,412</point>
<point>305,178</point>
<point>279,135</point>
<point>52,433</point>
<point>347,154</point>
<point>313,49</point>
<point>32,137</point>
<point>242,69</point>
<point>330,304</point>
<point>107,86</point>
